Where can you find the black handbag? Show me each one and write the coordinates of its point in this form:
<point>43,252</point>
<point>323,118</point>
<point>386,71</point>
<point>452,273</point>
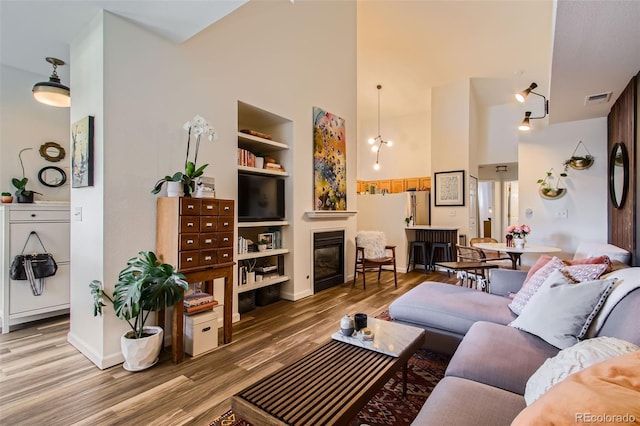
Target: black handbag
<point>32,267</point>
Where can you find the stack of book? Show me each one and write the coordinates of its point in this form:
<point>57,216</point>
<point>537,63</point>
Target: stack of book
<point>274,166</point>
<point>197,302</point>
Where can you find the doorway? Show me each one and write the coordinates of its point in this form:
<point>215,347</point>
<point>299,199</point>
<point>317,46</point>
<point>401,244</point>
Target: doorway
<point>497,199</point>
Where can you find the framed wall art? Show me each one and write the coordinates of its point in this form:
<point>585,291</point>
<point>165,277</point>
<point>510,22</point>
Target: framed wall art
<point>82,153</point>
<point>329,161</point>
<point>269,237</point>
<point>449,188</point>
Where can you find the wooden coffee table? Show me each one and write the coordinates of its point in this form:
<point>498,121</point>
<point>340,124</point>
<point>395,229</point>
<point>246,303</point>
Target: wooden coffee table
<point>329,385</point>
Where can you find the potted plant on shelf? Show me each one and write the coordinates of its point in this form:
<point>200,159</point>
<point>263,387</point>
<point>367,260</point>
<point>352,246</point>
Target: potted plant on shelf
<point>7,198</point>
<point>146,285</point>
<point>185,181</point>
<point>262,244</point>
<point>547,189</point>
<point>23,194</point>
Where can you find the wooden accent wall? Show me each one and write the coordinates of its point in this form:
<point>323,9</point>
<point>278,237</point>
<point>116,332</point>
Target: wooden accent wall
<point>622,128</point>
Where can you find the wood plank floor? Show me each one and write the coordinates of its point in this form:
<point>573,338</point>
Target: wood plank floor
<point>44,380</point>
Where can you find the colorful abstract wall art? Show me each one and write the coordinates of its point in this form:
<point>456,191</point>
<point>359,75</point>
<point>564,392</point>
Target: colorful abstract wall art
<point>329,161</point>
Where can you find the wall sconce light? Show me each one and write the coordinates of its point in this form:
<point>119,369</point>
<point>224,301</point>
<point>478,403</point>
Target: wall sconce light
<point>52,92</point>
<point>521,97</point>
<point>378,139</point>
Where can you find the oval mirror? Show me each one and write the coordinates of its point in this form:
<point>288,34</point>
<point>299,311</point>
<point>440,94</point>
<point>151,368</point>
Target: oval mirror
<point>52,151</point>
<point>618,174</point>
<point>52,176</point>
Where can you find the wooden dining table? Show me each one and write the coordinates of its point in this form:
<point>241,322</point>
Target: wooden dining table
<point>516,252</point>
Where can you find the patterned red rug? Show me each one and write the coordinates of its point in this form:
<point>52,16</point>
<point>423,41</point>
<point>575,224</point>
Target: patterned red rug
<point>388,406</point>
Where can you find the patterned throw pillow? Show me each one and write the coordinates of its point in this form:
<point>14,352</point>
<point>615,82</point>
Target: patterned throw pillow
<point>530,287</point>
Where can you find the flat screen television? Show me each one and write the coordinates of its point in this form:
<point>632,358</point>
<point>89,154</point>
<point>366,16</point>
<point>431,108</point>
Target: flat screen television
<point>260,198</point>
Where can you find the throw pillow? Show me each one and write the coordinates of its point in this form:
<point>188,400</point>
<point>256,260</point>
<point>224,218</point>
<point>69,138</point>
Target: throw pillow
<point>374,243</point>
<point>604,393</point>
<point>557,312</point>
<point>542,260</point>
<point>529,288</point>
<point>604,259</point>
<point>573,359</point>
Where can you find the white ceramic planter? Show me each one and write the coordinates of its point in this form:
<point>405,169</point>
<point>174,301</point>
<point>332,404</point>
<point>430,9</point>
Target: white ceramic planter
<point>519,242</point>
<point>175,189</point>
<point>140,354</point>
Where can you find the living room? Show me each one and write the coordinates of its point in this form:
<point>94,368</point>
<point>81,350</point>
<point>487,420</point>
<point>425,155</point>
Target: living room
<point>268,55</point>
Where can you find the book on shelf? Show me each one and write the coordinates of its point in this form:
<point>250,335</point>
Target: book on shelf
<point>197,299</point>
<point>274,166</point>
<point>200,308</point>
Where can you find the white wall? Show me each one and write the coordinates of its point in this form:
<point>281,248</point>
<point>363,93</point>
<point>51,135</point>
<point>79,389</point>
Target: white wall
<point>586,197</point>
<point>26,123</point>
<point>450,146</point>
<point>276,63</point>
<point>410,155</point>
<point>501,145</point>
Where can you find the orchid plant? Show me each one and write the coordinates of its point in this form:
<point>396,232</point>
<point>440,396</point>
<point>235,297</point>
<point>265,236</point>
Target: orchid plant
<point>196,127</point>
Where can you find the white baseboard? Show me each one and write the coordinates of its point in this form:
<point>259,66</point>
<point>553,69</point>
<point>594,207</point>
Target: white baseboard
<point>102,362</point>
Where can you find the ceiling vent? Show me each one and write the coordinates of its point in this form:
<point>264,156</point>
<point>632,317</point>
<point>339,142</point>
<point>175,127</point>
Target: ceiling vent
<point>600,98</point>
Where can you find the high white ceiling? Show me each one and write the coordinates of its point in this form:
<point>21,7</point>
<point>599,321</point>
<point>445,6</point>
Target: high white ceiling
<point>407,46</point>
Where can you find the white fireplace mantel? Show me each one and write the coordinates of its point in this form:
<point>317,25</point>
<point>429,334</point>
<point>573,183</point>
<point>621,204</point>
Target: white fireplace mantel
<point>329,214</point>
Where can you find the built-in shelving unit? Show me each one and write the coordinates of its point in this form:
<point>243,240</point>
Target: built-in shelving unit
<point>276,148</point>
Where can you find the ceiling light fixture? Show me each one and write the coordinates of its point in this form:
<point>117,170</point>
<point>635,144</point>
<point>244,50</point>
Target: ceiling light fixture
<point>521,97</point>
<point>378,139</point>
<point>52,92</point>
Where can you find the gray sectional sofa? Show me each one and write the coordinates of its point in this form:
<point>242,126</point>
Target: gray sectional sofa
<point>485,381</point>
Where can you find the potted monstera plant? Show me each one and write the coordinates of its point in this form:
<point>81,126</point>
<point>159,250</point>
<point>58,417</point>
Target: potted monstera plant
<point>146,285</point>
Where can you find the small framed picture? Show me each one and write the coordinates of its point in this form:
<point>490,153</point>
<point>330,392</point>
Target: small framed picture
<point>269,237</point>
<point>449,188</point>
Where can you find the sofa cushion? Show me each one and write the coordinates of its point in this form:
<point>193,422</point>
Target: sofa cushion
<point>464,402</point>
<point>449,307</point>
<point>605,393</point>
<point>499,356</point>
<point>531,285</point>
<point>558,312</point>
<point>591,249</point>
<point>573,359</point>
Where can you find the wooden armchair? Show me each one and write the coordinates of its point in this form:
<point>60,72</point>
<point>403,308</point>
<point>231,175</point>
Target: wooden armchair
<point>372,253</point>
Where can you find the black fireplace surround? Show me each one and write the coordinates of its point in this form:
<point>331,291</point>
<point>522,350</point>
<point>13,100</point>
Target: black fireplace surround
<point>328,259</point>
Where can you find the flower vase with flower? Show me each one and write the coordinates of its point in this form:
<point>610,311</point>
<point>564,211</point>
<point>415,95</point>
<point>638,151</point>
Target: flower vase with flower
<point>196,127</point>
<point>518,234</point>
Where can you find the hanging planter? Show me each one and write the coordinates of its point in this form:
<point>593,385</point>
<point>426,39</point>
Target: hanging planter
<point>580,162</point>
<point>548,188</point>
<point>552,193</point>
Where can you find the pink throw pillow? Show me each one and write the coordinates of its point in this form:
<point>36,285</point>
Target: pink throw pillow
<point>530,287</point>
<point>604,259</point>
<point>542,260</point>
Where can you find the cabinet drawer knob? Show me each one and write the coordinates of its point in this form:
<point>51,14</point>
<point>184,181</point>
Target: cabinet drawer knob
<point>208,241</point>
<point>207,258</point>
<point>204,330</point>
<point>189,224</point>
<point>227,208</point>
<point>209,224</point>
<point>209,207</point>
<point>190,206</point>
<point>225,255</point>
<point>189,241</point>
<point>33,215</point>
<point>225,224</point>
<point>189,259</point>
<point>225,239</point>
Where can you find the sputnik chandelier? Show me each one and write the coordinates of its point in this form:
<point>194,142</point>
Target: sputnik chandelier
<point>377,142</point>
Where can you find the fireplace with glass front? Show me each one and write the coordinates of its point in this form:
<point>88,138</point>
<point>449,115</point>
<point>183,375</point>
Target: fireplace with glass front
<point>328,259</point>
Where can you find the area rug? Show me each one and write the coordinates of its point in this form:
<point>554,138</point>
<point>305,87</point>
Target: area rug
<point>388,406</point>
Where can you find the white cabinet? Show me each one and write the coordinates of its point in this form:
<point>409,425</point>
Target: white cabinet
<point>268,136</point>
<point>51,222</point>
